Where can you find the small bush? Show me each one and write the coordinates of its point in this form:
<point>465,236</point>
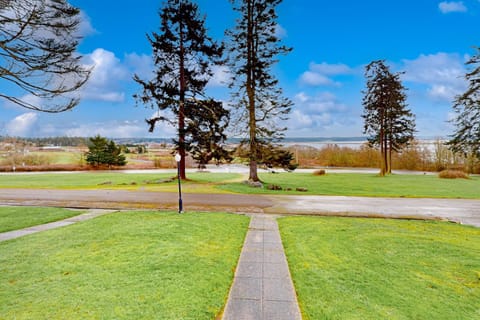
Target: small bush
<point>274,187</point>
<point>453,174</point>
<point>320,172</point>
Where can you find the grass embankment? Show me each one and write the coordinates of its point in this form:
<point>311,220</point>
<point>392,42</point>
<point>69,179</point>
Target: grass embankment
<point>15,218</point>
<point>342,184</point>
<point>383,269</point>
<point>360,184</point>
<point>131,265</point>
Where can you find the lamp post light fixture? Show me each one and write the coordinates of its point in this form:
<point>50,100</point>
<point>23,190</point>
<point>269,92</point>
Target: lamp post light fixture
<point>178,157</point>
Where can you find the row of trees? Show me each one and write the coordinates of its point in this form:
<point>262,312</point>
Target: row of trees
<point>184,56</point>
<point>417,156</point>
<point>38,42</point>
<point>390,125</point>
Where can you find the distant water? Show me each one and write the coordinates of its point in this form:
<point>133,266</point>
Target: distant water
<point>354,142</point>
<point>315,142</point>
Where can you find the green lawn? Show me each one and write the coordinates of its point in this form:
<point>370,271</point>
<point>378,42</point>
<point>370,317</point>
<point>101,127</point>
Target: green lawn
<point>345,184</point>
<point>198,182</point>
<point>14,218</point>
<point>130,265</point>
<point>360,184</point>
<point>383,269</point>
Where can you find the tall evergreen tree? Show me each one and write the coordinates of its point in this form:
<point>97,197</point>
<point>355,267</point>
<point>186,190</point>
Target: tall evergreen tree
<point>38,42</point>
<point>254,47</point>
<point>387,120</point>
<point>206,125</point>
<point>466,138</point>
<point>183,55</point>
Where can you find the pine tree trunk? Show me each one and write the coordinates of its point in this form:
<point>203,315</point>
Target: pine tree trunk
<point>253,175</point>
<point>389,165</point>
<point>383,145</point>
<point>382,154</point>
<point>181,108</point>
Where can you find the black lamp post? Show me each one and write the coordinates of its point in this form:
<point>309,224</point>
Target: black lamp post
<point>178,157</point>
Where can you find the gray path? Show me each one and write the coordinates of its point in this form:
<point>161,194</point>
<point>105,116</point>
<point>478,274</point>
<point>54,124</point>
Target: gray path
<point>57,224</point>
<point>457,210</point>
<point>262,288</point>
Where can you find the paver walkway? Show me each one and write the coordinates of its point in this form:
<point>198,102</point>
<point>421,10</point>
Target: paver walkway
<point>262,288</point>
<point>52,225</point>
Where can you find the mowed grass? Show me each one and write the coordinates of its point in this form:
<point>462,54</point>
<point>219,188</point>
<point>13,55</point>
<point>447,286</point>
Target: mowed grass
<point>198,182</point>
<point>14,218</point>
<point>361,184</point>
<point>343,184</point>
<point>383,269</point>
<point>130,265</point>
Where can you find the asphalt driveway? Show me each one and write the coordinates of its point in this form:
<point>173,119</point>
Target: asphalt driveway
<point>457,210</point>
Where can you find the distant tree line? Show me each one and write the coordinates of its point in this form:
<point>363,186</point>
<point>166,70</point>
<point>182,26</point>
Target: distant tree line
<point>415,156</point>
<point>51,141</point>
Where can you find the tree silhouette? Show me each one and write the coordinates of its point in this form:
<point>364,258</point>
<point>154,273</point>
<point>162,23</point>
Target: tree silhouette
<point>38,40</point>
<point>466,138</point>
<point>254,47</point>
<point>387,120</point>
<point>183,56</point>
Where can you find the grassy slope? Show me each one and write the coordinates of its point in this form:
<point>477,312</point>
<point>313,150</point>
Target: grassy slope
<point>14,218</point>
<point>383,269</point>
<point>136,265</point>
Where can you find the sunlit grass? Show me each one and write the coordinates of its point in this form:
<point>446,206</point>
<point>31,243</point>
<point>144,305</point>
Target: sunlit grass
<point>359,184</point>
<point>383,269</point>
<point>131,265</point>
<point>14,218</point>
<point>344,184</point>
<point>198,182</point>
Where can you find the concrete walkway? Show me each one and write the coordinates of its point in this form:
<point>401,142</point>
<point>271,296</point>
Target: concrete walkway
<point>52,225</point>
<point>262,288</point>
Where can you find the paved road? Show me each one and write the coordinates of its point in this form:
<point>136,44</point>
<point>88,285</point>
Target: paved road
<point>462,211</point>
<point>456,210</point>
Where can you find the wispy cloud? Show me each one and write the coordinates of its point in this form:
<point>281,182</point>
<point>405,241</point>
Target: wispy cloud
<point>221,77</point>
<point>317,113</point>
<point>322,74</point>
<point>442,73</point>
<point>452,6</point>
<point>114,129</point>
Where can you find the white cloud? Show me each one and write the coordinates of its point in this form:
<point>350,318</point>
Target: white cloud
<point>21,125</point>
<point>220,78</point>
<point>85,28</point>
<point>112,129</point>
<point>322,74</point>
<point>452,6</point>
<point>442,73</point>
<point>105,78</point>
<point>315,79</point>
<point>442,92</point>
<point>331,69</point>
<point>142,65</point>
<point>280,32</point>
<point>315,114</point>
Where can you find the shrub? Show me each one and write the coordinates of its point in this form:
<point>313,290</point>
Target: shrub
<point>320,172</point>
<point>453,174</point>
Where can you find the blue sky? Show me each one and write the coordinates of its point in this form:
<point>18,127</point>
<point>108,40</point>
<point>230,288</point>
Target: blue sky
<point>332,40</point>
